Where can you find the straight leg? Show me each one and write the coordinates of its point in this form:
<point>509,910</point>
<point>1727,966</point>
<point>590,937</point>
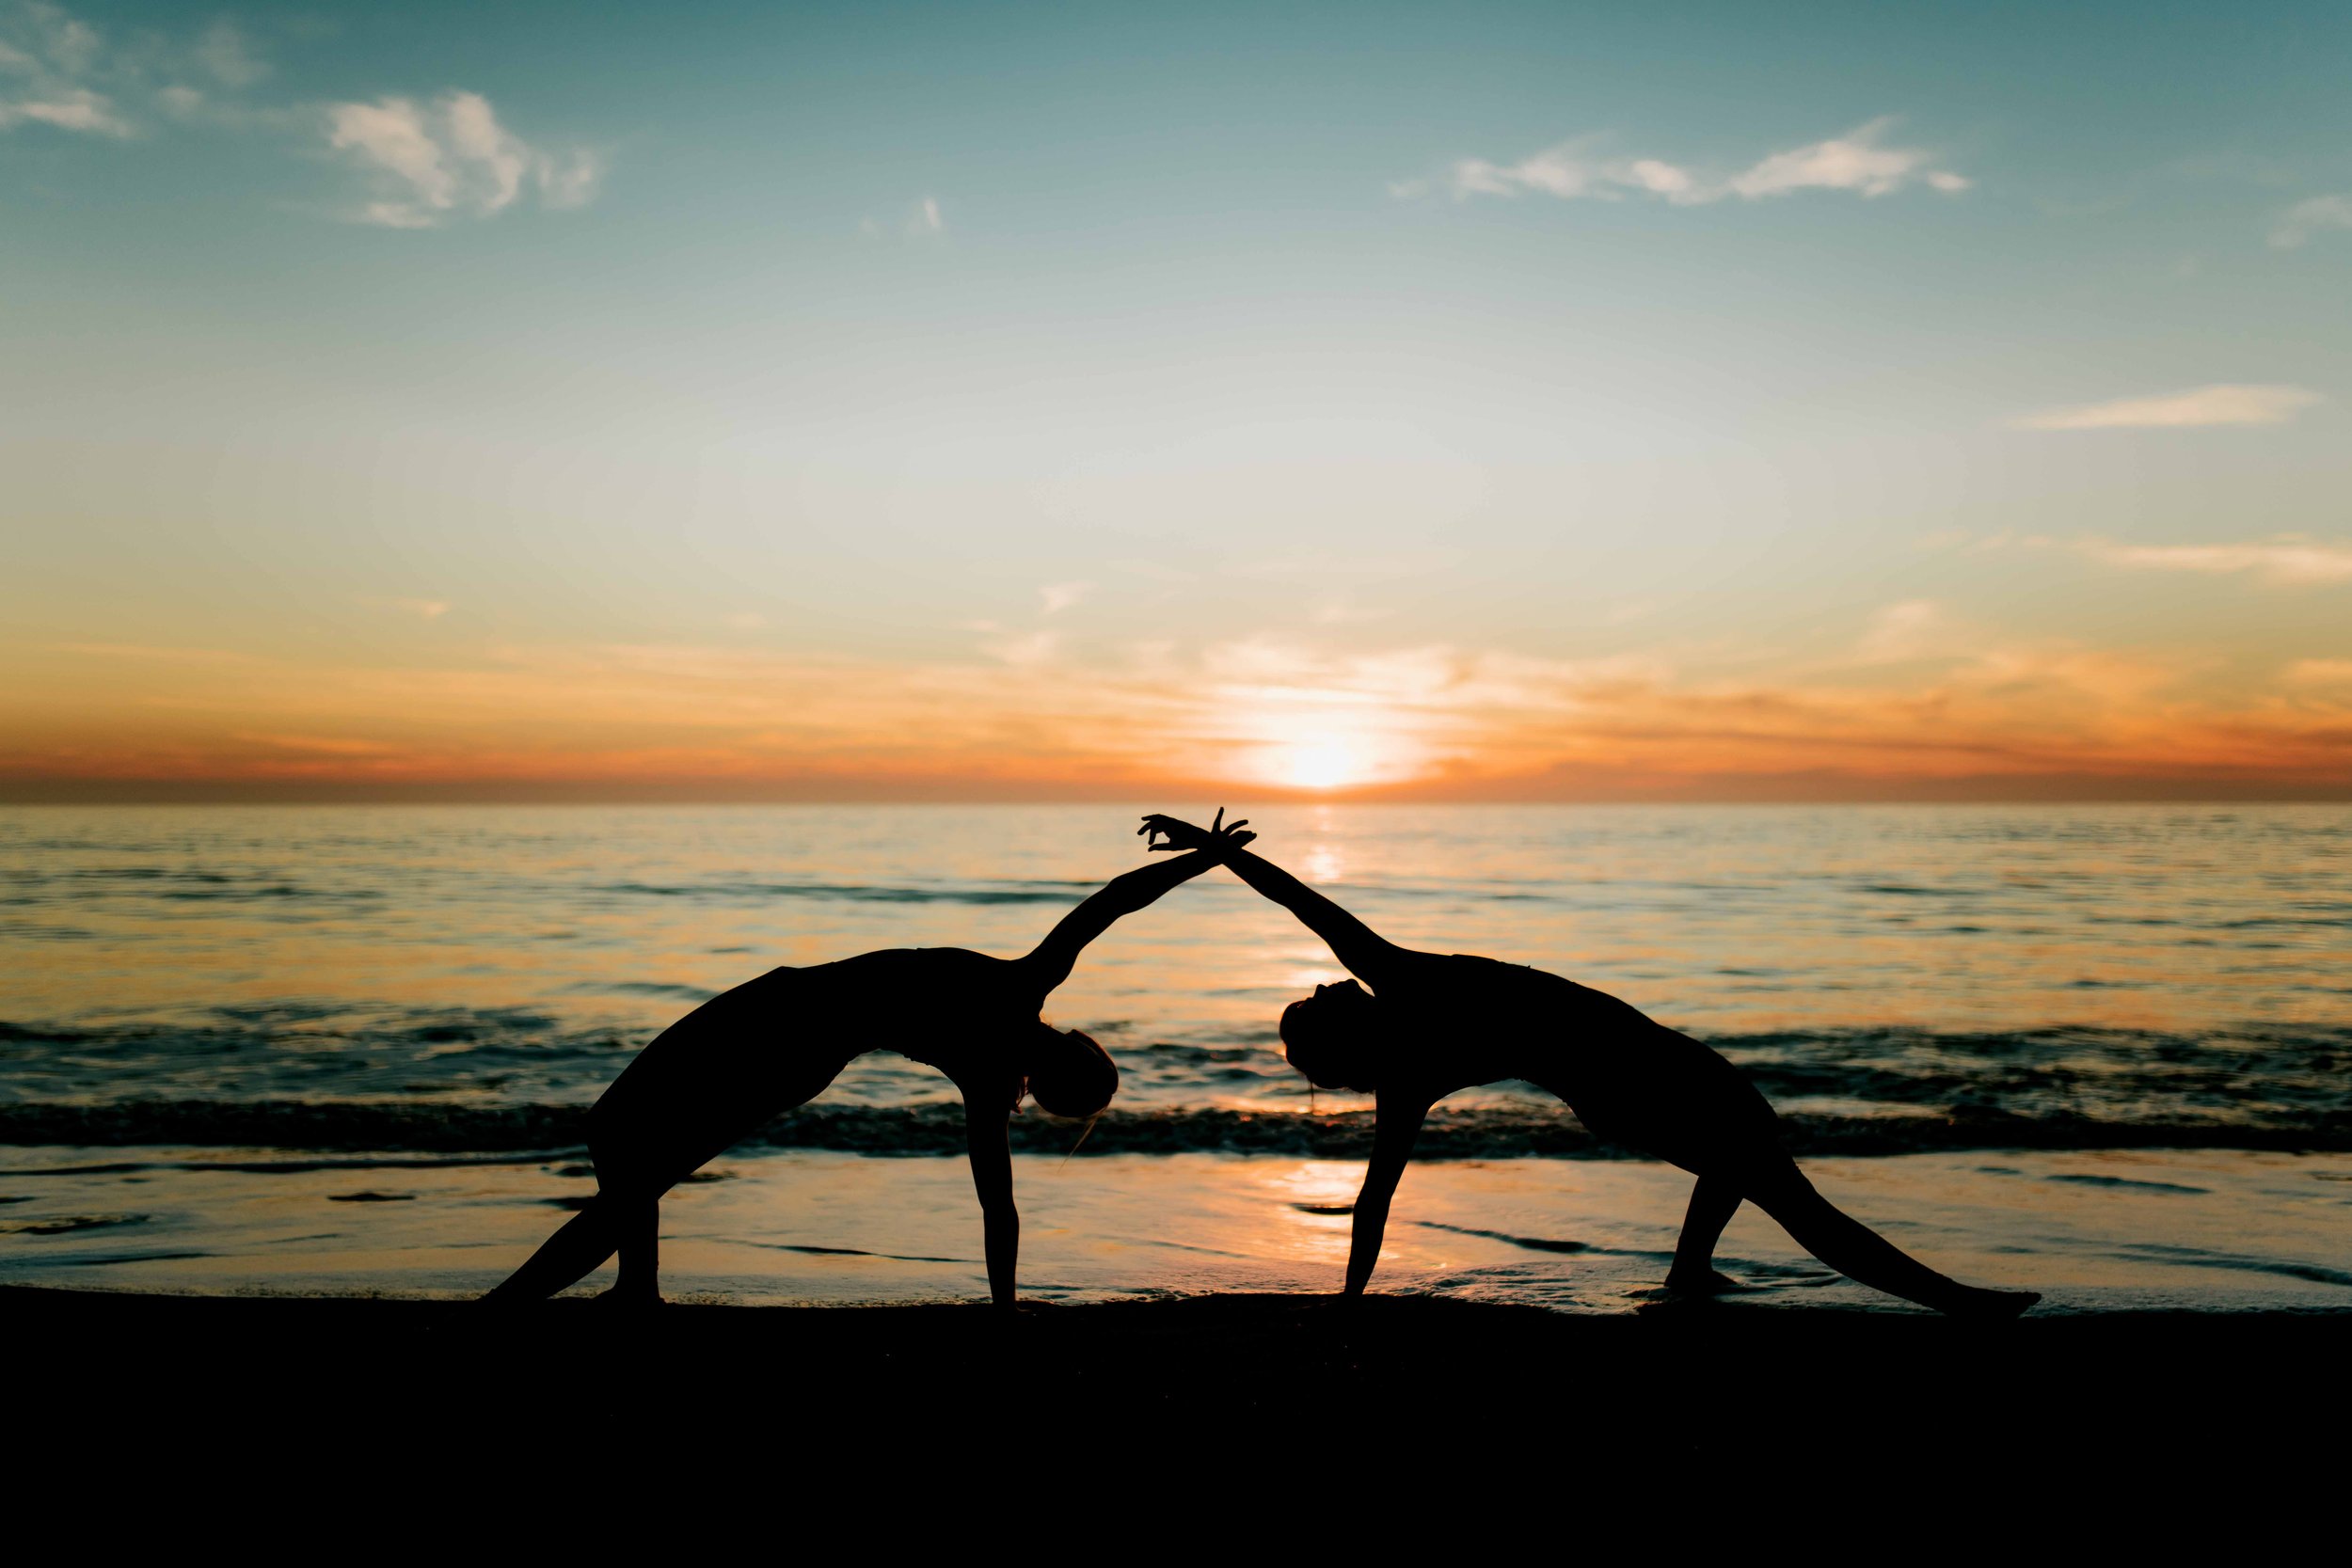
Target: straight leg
<point>638,1222</point>
<point>1859,1253</point>
<point>568,1256</point>
<point>1714,1201</point>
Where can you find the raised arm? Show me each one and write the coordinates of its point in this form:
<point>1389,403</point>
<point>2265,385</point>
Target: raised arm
<point>1123,894</point>
<point>1400,1116</point>
<point>1356,946</point>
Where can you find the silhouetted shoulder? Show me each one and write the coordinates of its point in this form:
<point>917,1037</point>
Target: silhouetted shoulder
<point>1466,974</point>
<point>1489,993</point>
<point>887,991</point>
<point>947,966</point>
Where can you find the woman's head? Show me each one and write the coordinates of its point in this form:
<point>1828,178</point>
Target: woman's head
<point>1069,1074</point>
<point>1338,1037</point>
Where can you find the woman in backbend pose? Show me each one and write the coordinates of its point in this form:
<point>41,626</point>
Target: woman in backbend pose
<point>1434,1024</point>
<point>721,1071</point>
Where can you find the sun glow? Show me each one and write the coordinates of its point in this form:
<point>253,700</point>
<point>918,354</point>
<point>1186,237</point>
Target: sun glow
<point>1338,742</point>
<point>1335,756</point>
<point>1324,763</point>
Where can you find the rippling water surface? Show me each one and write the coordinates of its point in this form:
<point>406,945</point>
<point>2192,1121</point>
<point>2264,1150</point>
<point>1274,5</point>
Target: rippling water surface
<point>348,1048</point>
<point>2102,966</point>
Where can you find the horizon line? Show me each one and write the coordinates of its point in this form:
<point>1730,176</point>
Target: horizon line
<point>2044,790</point>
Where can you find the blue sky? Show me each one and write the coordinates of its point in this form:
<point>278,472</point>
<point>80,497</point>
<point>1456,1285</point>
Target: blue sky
<point>1694,399</point>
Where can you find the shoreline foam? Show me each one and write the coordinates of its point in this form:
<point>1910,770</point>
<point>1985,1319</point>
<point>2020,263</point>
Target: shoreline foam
<point>1472,1133</point>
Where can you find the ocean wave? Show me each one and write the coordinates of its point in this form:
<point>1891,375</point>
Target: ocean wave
<point>1468,1133</point>
<point>179,884</point>
<point>418,1077</point>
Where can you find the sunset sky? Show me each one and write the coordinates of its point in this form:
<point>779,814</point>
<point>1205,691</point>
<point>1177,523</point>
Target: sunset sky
<point>1512,402</point>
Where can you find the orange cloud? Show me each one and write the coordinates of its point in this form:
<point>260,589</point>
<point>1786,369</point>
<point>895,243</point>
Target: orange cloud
<point>1920,703</point>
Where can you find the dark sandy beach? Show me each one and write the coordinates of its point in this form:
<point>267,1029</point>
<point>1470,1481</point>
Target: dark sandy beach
<point>2072,1408</point>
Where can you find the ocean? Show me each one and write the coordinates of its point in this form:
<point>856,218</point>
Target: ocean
<point>207,1013</point>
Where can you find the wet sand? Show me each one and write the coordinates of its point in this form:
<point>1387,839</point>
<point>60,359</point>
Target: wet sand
<point>2096,1232</point>
<point>1255,1396</point>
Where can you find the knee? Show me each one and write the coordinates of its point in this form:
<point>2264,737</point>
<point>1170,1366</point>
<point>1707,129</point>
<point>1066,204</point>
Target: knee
<point>1776,1186</point>
<point>622,1175</point>
<point>618,1148</point>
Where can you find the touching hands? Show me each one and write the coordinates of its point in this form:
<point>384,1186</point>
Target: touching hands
<point>1181,835</point>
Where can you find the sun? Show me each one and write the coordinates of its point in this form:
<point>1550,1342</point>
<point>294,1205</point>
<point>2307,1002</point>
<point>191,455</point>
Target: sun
<point>1324,742</point>
<point>1324,762</point>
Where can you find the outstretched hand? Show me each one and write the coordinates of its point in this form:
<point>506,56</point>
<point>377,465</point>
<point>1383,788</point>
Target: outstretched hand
<point>1218,835</point>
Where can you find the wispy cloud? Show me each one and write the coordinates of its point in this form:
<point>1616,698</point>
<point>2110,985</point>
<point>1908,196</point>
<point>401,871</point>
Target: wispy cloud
<point>68,109</point>
<point>921,220</point>
<point>452,158</point>
<point>2289,560</point>
<point>2227,403</point>
<point>1343,609</point>
<point>1058,596</point>
<point>1013,646</point>
<point>226,54</point>
<point>1913,629</point>
<point>1855,162</point>
<point>2298,223</point>
<point>1030,712</point>
<point>2321,673</point>
<point>432,162</point>
<point>51,64</point>
<point>1587,167</point>
<point>334,746</point>
<point>58,70</point>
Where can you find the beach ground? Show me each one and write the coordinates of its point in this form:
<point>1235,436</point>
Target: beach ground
<point>1218,1398</point>
<point>2095,1231</point>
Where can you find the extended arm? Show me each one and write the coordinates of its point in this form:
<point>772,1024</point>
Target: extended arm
<point>1364,952</point>
<point>984,1119</point>
<point>1400,1116</point>
<point>1123,894</point>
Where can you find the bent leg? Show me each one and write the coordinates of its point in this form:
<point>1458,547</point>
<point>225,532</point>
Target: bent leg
<point>638,1221</point>
<point>567,1257</point>
<point>1859,1253</point>
<point>624,1216</point>
<point>688,1098</point>
<point>1714,1201</point>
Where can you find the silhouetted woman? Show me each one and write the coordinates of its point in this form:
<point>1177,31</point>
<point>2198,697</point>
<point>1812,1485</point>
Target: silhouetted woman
<point>721,1072</point>
<point>1434,1024</point>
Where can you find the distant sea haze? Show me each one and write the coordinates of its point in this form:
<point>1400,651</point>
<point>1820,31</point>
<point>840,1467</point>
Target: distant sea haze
<point>454,978</point>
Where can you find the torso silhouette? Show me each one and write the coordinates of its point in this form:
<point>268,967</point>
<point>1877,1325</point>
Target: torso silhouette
<point>774,1041</point>
<point>1630,1079</point>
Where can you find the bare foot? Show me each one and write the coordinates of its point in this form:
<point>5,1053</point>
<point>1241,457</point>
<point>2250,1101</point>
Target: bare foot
<point>1992,1304</point>
<point>1702,1282</point>
<point>619,1300</point>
